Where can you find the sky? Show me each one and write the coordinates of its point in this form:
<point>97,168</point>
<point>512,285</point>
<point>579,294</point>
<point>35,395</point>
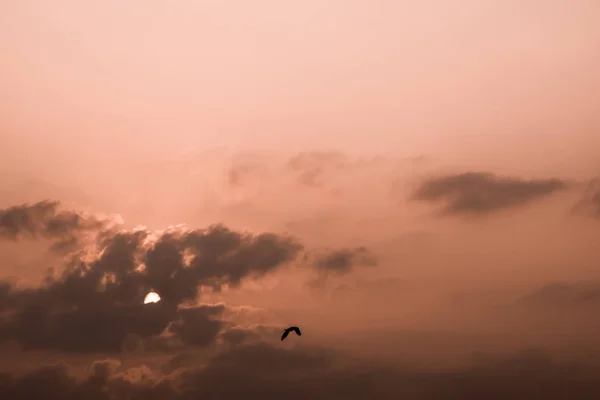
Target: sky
<point>416,185</point>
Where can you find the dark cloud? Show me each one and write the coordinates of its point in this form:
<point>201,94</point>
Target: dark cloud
<point>46,219</point>
<point>267,372</point>
<point>85,328</point>
<point>94,303</point>
<point>478,193</point>
<point>344,260</point>
<point>226,257</point>
<point>340,262</point>
<point>328,263</point>
<point>197,326</point>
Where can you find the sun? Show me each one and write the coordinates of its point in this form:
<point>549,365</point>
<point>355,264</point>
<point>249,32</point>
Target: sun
<point>152,297</point>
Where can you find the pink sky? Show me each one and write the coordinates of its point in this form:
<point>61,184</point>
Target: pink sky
<point>483,81</point>
<point>343,123</point>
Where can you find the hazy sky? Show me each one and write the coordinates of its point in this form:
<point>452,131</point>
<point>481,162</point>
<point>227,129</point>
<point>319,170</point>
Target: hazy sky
<point>503,78</point>
<point>428,170</point>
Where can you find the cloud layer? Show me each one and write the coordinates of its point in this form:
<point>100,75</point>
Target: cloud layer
<point>267,372</point>
<point>95,301</point>
<point>92,304</point>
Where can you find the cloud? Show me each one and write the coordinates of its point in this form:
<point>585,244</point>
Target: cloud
<point>94,303</point>
<point>311,169</point>
<point>479,193</point>
<point>46,219</point>
<point>102,370</point>
<point>243,170</point>
<point>344,260</point>
<point>238,335</point>
<point>197,326</point>
<point>564,294</point>
<point>268,372</point>
<point>86,328</point>
<point>590,200</point>
<point>327,263</point>
<point>311,166</point>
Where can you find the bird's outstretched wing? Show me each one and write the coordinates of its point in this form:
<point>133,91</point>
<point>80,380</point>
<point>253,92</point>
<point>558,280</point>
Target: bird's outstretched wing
<point>291,329</point>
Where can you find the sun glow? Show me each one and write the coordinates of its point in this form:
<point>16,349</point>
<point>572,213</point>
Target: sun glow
<point>152,297</point>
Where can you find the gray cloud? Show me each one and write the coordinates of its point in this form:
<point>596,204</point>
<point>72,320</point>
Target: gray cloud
<point>95,303</point>
<point>342,261</point>
<point>264,371</point>
<point>328,263</point>
<point>46,219</point>
<point>197,327</point>
<point>479,193</point>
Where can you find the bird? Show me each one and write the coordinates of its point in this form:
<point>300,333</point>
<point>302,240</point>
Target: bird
<point>291,329</point>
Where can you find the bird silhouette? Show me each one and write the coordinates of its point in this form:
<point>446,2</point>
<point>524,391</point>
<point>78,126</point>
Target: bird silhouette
<point>291,329</point>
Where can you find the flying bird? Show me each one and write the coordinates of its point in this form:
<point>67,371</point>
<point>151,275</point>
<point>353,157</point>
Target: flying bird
<point>291,329</point>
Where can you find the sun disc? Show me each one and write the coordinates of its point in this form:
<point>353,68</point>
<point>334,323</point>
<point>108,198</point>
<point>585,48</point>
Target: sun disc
<point>152,297</point>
